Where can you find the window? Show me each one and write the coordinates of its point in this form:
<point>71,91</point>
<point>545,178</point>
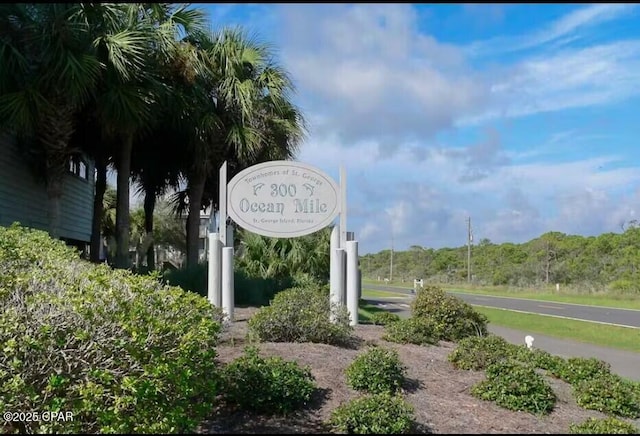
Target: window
<point>79,167</point>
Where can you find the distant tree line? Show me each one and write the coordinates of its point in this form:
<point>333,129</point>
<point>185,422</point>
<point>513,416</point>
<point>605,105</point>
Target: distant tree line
<point>610,261</point>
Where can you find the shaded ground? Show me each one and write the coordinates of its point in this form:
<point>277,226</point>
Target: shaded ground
<point>439,393</point>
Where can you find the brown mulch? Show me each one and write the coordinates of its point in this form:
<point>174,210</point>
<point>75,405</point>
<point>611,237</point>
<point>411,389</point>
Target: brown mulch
<point>439,393</point>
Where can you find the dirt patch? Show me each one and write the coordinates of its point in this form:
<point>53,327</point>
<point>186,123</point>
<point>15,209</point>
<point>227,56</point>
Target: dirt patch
<point>439,393</point>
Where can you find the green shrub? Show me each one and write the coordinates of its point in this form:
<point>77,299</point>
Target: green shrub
<point>608,425</point>
<point>538,358</point>
<point>578,369</point>
<point>267,385</point>
<point>453,318</point>
<point>478,352</point>
<point>376,371</point>
<point>301,315</point>
<point>516,386</point>
<point>418,331</point>
<point>374,414</point>
<point>624,286</point>
<point>384,318</point>
<point>123,353</point>
<point>250,291</point>
<point>610,394</point>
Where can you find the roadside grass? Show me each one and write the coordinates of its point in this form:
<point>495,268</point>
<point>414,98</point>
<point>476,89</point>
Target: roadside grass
<point>622,338</point>
<point>373,293</point>
<point>366,311</point>
<point>621,302</point>
<point>564,296</point>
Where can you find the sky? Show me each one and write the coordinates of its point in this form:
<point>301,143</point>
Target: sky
<point>523,117</point>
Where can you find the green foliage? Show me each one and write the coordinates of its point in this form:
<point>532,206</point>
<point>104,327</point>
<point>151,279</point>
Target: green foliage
<point>305,258</point>
<point>121,352</point>
<point>453,318</point>
<point>581,264</point>
<point>418,331</point>
<point>607,425</point>
<point>376,371</point>
<point>538,358</point>
<point>610,394</point>
<point>267,385</point>
<point>516,386</point>
<point>625,286</point>
<point>301,315</point>
<point>250,291</point>
<point>384,318</point>
<point>578,369</point>
<point>374,414</point>
<point>478,352</point>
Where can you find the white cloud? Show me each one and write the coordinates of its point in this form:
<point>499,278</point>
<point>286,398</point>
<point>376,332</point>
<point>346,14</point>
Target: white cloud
<point>561,31</point>
<point>372,75</point>
<point>378,92</point>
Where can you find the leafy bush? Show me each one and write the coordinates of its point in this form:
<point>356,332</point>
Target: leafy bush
<point>578,369</point>
<point>384,318</point>
<point>608,425</point>
<point>301,315</point>
<point>516,386</point>
<point>267,385</point>
<point>123,353</point>
<point>538,358</point>
<point>624,286</point>
<point>478,352</point>
<point>418,331</point>
<point>610,394</point>
<point>374,414</point>
<point>376,371</point>
<point>453,318</point>
<point>251,291</point>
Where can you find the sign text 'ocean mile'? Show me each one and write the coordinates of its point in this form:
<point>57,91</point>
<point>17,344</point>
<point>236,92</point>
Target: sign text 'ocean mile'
<point>283,199</point>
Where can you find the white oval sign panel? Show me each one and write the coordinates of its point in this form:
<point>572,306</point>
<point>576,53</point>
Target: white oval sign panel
<point>282,199</point>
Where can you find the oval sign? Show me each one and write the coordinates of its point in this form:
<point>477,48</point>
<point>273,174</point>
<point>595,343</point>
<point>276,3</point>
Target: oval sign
<point>282,199</point>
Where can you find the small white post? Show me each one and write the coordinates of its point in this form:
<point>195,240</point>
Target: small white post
<point>229,239</point>
<point>222,206</point>
<point>557,287</point>
<point>334,245</point>
<point>343,207</point>
<point>227,282</point>
<point>214,278</point>
<point>352,280</point>
<point>337,279</point>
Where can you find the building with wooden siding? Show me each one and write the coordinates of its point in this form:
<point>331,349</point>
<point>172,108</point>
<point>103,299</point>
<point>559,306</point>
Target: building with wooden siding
<point>23,198</point>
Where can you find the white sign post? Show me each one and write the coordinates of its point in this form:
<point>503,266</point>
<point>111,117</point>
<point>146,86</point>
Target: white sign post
<point>285,199</point>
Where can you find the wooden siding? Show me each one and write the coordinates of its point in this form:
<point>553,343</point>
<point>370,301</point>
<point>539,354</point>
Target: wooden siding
<point>24,199</point>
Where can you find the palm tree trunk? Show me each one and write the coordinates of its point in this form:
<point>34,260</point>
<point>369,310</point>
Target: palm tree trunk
<point>55,132</point>
<point>98,209</point>
<point>54,195</point>
<point>149,207</point>
<point>195,191</point>
<point>122,204</point>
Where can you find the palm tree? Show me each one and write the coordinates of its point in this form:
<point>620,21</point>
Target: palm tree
<point>246,116</point>
<point>156,168</point>
<point>47,70</point>
<point>134,43</point>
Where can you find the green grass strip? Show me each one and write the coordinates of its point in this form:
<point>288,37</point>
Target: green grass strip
<point>622,338</point>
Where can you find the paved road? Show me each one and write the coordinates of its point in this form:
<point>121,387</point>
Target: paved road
<point>620,317</point>
<point>624,363</point>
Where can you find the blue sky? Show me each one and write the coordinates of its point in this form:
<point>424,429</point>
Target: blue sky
<point>524,117</point>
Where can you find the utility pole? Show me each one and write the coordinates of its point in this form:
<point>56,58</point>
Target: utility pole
<point>469,240</point>
<point>391,265</point>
